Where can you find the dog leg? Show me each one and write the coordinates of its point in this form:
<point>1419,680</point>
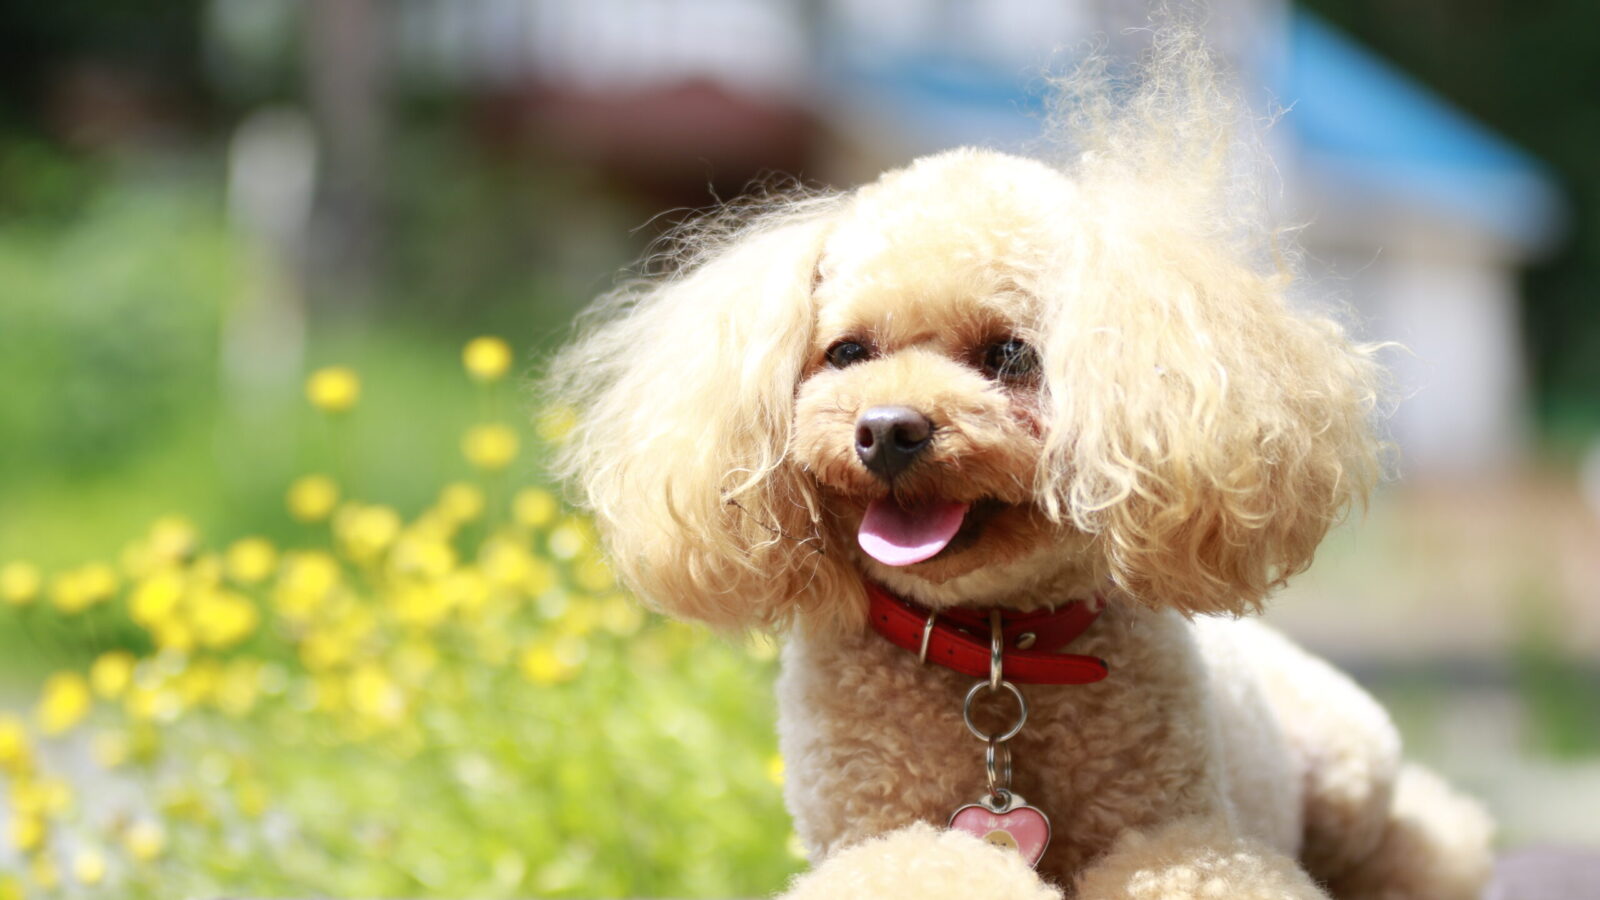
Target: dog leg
<point>1435,846</point>
<point>924,862</point>
<point>1194,859</point>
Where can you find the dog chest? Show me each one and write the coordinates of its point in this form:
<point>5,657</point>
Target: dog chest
<point>874,741</point>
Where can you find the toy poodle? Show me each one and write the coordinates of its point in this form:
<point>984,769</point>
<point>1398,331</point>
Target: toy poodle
<point>1005,449</point>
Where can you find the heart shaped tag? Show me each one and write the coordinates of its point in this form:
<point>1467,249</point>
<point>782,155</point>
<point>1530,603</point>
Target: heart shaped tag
<point>1015,826</point>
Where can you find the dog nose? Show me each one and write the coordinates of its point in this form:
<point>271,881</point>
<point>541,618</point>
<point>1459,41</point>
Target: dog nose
<point>888,438</point>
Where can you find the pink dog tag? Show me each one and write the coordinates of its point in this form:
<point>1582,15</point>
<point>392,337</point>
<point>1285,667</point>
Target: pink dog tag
<point>1014,825</point>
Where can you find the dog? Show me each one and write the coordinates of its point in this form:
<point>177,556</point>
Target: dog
<point>985,391</point>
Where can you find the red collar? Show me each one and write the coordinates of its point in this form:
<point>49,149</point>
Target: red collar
<point>958,638</point>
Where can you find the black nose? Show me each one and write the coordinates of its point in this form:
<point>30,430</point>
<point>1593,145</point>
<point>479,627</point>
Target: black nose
<point>888,438</point>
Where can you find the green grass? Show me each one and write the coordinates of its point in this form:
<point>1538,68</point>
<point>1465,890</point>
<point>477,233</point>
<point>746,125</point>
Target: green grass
<point>1560,692</point>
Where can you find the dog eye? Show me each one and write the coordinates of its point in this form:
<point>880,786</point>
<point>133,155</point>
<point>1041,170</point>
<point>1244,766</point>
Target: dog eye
<point>845,353</point>
<point>1010,359</point>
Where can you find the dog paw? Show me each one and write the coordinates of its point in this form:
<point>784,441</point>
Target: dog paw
<point>1194,861</point>
<point>924,862</point>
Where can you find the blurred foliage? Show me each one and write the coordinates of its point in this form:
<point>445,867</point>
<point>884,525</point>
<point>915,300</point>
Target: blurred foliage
<point>1530,70</point>
<point>458,703</point>
<point>40,184</point>
<point>121,279</point>
<point>512,241</point>
<point>39,40</point>
<point>117,312</point>
<point>1557,688</point>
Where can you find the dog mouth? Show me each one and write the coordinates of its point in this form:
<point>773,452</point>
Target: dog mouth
<point>903,535</point>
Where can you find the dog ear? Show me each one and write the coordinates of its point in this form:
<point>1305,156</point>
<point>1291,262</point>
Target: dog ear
<point>683,390</point>
<point>1204,431</point>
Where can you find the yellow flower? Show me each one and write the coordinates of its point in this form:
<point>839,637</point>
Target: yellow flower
<point>540,577</point>
<point>486,358</point>
<point>435,524</point>
<point>111,749</point>
<point>420,605</point>
<point>250,560</point>
<point>145,840</point>
<point>155,600</point>
<point>98,580</point>
<point>16,753</point>
<point>416,554</point>
<point>366,531</point>
<point>334,643</point>
<point>224,618</point>
<point>556,423</point>
<point>327,693</point>
<point>550,663</point>
<point>312,497</point>
<point>44,873</point>
<point>89,867</point>
<point>83,587</point>
<point>63,703</point>
<point>467,589</point>
<point>111,673</point>
<point>238,687</point>
<point>136,559</point>
<point>206,570</point>
<point>19,583</point>
<point>44,797</point>
<point>309,578</point>
<point>333,389</point>
<point>489,447</point>
<point>574,618</point>
<point>533,507</point>
<point>415,660</point>
<point>570,538</point>
<point>28,832</point>
<point>145,703</point>
<point>67,593</point>
<point>172,538</point>
<point>461,502</point>
<point>374,695</point>
<point>620,616</point>
<point>593,575</point>
<point>196,684</point>
<point>505,561</point>
<point>775,769</point>
<point>175,635</point>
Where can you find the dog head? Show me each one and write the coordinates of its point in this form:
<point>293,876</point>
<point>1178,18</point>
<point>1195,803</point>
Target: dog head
<point>975,378</point>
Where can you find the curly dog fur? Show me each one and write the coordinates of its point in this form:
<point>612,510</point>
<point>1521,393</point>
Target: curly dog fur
<point>1179,437</point>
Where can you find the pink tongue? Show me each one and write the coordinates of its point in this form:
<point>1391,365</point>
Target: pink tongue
<point>896,536</point>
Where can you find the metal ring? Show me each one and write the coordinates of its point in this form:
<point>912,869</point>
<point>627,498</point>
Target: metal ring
<point>996,660</point>
<point>927,632</point>
<point>999,775</point>
<point>999,802</point>
<point>1022,713</point>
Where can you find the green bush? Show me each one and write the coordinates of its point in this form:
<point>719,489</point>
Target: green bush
<point>108,328</point>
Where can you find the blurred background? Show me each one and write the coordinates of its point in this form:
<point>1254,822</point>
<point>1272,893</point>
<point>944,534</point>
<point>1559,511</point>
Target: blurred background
<point>244,242</point>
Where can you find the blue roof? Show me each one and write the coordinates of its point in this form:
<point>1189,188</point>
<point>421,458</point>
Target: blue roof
<point>1359,119</point>
<point>1361,126</point>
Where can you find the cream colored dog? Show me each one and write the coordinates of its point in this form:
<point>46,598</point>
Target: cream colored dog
<point>988,382</point>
